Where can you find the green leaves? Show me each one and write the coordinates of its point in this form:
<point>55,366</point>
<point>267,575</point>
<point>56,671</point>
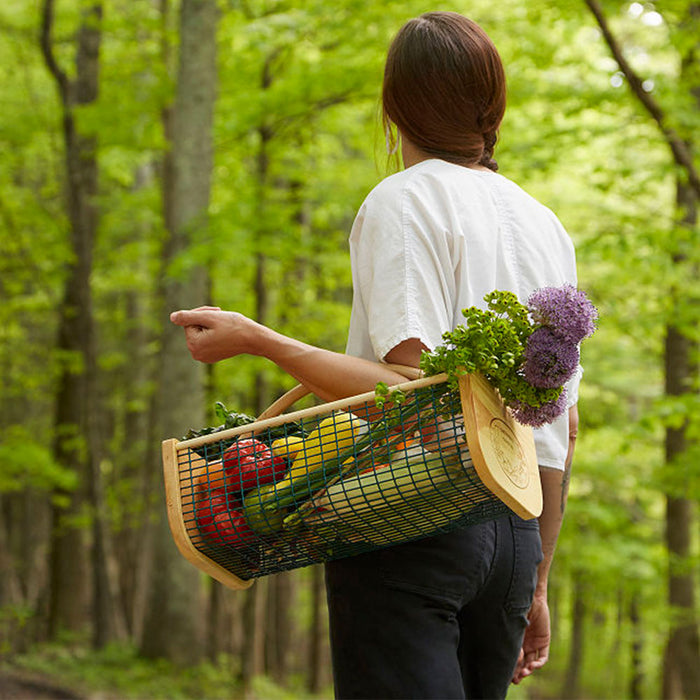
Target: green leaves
<point>383,395</point>
<point>27,465</point>
<point>490,342</point>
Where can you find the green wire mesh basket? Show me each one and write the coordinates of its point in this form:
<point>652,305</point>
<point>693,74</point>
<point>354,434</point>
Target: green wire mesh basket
<point>346,477</point>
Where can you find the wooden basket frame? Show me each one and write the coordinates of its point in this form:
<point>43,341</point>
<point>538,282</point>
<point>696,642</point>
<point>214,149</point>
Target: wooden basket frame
<point>502,451</point>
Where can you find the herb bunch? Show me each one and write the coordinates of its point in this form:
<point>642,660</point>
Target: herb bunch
<point>527,352</point>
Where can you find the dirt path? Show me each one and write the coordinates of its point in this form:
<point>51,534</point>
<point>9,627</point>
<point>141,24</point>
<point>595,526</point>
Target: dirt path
<point>19,686</point>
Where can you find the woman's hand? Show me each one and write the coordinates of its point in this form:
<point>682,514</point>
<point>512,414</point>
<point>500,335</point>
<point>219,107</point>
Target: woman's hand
<point>535,651</point>
<point>213,334</point>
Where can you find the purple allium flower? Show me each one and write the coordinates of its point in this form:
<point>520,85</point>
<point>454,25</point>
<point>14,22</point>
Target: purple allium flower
<point>537,416</point>
<point>550,359</point>
<point>566,310</point>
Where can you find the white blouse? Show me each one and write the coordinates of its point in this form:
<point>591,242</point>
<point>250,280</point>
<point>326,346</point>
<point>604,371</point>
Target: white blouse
<point>435,238</point>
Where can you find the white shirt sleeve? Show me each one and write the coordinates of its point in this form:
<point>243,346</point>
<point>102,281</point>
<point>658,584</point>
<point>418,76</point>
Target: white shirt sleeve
<point>399,265</point>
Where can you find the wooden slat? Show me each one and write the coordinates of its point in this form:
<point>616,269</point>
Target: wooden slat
<point>502,450</point>
<point>171,472</point>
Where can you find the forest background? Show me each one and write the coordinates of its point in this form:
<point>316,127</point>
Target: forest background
<point>159,154</point>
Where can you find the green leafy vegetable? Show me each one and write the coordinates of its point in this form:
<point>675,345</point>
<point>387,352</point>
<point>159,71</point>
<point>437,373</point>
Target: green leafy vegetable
<point>526,352</point>
<point>492,342</point>
<point>232,419</point>
<point>383,395</point>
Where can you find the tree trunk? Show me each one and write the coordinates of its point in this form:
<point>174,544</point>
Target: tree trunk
<point>636,691</point>
<point>253,651</point>
<point>174,624</point>
<point>133,543</point>
<point>681,676</point>
<point>318,638</point>
<point>108,619</point>
<point>216,621</point>
<point>225,626</point>
<point>573,670</point>
<point>279,624</point>
<point>11,597</point>
<point>74,437</point>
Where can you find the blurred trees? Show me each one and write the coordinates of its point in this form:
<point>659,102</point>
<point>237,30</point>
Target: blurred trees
<point>127,189</point>
<point>681,673</point>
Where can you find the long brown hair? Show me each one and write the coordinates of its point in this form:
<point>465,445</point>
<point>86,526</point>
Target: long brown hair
<point>445,88</point>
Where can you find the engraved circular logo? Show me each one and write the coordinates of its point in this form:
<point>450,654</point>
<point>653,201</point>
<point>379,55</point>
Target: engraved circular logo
<point>508,453</point>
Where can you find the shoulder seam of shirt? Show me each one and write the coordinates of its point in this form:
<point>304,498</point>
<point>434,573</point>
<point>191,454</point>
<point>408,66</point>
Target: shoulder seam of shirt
<point>504,214</point>
<point>410,282</point>
<point>414,327</point>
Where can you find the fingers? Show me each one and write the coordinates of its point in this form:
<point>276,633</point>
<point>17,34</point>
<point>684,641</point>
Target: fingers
<point>537,663</point>
<point>193,317</point>
<point>537,658</point>
<point>529,663</point>
<point>178,318</point>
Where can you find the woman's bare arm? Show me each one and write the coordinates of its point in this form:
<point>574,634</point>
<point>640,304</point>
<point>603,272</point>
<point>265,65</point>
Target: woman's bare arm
<point>213,335</point>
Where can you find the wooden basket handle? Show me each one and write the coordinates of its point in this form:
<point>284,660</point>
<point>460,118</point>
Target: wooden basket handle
<point>299,391</point>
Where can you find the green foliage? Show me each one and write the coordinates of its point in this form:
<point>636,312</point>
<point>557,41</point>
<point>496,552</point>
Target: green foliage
<point>491,342</point>
<point>264,688</point>
<point>13,620</point>
<point>27,465</point>
<point>118,671</point>
<point>383,394</point>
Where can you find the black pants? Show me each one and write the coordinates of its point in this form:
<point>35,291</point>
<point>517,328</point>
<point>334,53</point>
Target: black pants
<point>439,618</point>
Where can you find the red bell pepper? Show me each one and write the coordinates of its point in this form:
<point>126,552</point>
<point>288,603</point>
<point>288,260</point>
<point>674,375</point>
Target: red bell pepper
<point>232,529</point>
<point>208,508</point>
<point>220,523</point>
<point>249,463</point>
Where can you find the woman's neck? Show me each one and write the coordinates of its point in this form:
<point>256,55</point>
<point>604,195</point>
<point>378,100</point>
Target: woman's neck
<point>411,155</point>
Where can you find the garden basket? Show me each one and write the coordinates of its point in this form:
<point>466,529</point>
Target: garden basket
<point>336,480</point>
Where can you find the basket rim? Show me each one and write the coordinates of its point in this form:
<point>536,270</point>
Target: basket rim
<point>339,404</point>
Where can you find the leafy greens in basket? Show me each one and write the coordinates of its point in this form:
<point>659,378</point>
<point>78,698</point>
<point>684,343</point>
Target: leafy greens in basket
<point>527,352</point>
<point>232,419</point>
